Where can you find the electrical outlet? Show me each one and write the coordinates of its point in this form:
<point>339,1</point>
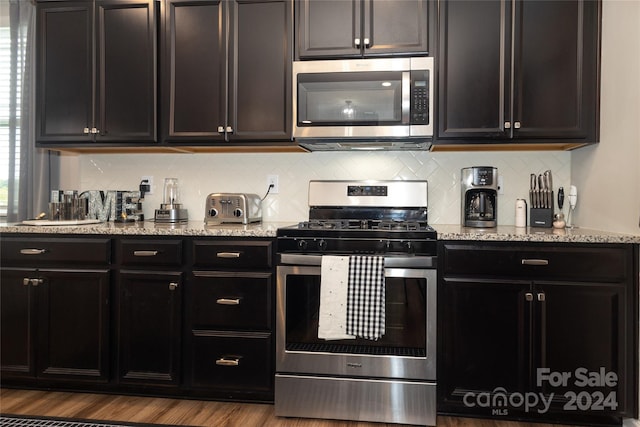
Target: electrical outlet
<point>273,180</point>
<point>149,181</point>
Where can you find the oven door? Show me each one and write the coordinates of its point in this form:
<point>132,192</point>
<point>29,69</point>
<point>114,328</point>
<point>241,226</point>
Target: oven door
<point>406,351</point>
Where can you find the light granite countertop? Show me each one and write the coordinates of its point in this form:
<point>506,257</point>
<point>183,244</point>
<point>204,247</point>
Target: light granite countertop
<point>268,229</point>
<point>532,234</point>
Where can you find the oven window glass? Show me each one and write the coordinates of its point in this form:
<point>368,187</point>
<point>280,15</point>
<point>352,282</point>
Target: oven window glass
<point>405,318</point>
<point>355,98</point>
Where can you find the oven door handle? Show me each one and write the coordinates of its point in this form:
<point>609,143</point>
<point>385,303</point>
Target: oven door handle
<point>408,261</point>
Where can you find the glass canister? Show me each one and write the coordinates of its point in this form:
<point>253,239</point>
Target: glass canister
<point>171,191</point>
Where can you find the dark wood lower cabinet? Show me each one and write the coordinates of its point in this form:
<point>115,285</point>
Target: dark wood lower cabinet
<point>149,327</point>
<point>559,350</point>
<point>55,324</point>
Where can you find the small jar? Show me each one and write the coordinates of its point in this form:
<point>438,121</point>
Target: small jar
<point>558,221</point>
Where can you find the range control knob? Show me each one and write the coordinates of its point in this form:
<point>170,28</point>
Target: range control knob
<point>237,212</point>
<point>409,246</point>
<point>213,212</point>
<point>322,244</point>
<point>302,244</point>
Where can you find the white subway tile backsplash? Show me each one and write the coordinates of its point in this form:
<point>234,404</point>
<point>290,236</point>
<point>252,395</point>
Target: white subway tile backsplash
<point>201,174</point>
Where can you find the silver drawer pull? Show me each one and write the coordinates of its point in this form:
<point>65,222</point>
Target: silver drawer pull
<point>228,254</point>
<point>541,296</point>
<point>535,262</point>
<point>26,281</point>
<point>173,286</point>
<point>32,251</point>
<point>223,361</point>
<point>528,296</point>
<point>228,301</point>
<point>145,253</point>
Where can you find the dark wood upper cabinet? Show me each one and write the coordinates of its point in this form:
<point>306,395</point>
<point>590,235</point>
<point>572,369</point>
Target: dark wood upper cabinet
<point>227,70</point>
<point>519,70</point>
<point>356,28</point>
<point>96,67</point>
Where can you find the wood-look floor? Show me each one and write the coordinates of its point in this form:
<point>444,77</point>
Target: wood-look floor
<point>107,407</point>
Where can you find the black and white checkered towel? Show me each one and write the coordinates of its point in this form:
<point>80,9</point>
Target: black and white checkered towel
<point>366,297</point>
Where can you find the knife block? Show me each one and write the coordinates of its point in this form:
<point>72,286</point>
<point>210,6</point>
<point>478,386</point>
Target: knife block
<point>542,217</point>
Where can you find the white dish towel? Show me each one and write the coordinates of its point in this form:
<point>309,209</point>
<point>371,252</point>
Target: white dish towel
<point>334,278</point>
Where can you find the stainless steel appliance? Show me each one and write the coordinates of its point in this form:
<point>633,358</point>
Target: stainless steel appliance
<point>391,379</point>
<point>232,208</point>
<point>171,210</point>
<point>479,185</point>
<point>361,103</point>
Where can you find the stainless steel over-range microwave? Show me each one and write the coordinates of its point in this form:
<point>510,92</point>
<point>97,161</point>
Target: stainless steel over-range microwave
<point>377,99</point>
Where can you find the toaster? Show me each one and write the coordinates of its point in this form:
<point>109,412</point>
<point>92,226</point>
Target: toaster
<point>232,208</point>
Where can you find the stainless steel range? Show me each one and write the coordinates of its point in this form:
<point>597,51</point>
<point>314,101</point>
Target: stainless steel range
<point>325,366</point>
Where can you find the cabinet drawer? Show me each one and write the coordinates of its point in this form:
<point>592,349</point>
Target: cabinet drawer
<point>543,262</point>
<point>151,252</point>
<point>231,300</point>
<point>233,254</point>
<point>43,251</point>
<point>231,361</point>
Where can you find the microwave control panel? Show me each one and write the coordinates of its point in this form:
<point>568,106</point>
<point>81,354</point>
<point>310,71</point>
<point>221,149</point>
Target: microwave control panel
<point>420,97</point>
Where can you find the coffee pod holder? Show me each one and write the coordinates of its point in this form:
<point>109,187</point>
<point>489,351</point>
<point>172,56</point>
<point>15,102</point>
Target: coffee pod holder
<point>542,217</point>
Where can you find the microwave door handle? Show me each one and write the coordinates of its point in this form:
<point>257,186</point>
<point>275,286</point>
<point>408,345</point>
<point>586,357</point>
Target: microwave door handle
<point>406,96</point>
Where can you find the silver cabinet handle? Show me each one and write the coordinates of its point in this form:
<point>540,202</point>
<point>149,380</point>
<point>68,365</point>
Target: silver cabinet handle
<point>224,361</point>
<point>220,129</point>
<point>516,125</point>
<point>357,42</point>
<point>36,282</point>
<point>528,296</point>
<point>535,262</point>
<point>94,130</point>
<point>541,296</point>
<point>228,254</point>
<point>367,42</point>
<point>228,301</point>
<point>507,125</point>
<point>145,253</point>
<point>229,129</point>
<point>32,251</point>
<point>26,281</point>
<point>173,286</point>
<point>85,130</point>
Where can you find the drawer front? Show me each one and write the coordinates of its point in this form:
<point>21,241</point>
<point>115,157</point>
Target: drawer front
<point>151,252</point>
<point>233,254</point>
<point>590,263</point>
<point>231,300</point>
<point>241,363</point>
<point>43,251</point>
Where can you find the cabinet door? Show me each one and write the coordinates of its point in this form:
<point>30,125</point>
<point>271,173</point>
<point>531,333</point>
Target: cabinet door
<point>483,341</point>
<point>126,70</point>
<point>73,324</point>
<point>17,328</point>
<point>582,330</point>
<point>194,79</point>
<point>556,57</point>
<point>474,69</point>
<point>64,105</point>
<point>328,28</point>
<point>260,67</point>
<point>391,27</point>
<point>149,327</point>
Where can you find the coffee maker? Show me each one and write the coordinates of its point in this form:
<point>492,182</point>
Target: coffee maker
<point>479,196</point>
